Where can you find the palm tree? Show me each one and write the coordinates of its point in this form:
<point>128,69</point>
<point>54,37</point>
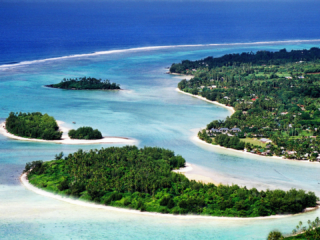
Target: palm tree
<point>275,235</point>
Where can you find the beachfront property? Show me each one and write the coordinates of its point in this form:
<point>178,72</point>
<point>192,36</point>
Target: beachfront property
<point>235,129</point>
<point>223,130</point>
<point>214,130</point>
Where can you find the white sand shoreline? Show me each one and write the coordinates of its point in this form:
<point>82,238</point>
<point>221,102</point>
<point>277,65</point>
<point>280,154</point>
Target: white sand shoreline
<point>187,171</point>
<point>29,186</point>
<point>231,109</point>
<point>197,139</point>
<point>65,139</point>
<point>181,75</point>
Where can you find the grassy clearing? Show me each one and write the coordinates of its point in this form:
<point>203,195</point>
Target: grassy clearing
<point>253,141</point>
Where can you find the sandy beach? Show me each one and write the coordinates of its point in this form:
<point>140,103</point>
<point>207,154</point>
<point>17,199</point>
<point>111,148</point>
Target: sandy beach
<point>231,109</point>
<point>65,139</point>
<point>29,186</point>
<point>187,171</point>
<point>197,139</point>
<point>183,76</point>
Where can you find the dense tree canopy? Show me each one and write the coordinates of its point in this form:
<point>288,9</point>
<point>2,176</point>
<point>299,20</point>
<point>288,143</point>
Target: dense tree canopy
<point>143,179</point>
<point>85,133</point>
<point>33,125</point>
<point>276,95</point>
<point>258,58</point>
<point>85,83</point>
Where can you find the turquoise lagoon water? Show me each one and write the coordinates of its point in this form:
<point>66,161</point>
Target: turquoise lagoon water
<point>149,110</point>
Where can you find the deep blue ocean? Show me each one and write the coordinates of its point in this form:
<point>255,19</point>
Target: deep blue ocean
<point>36,30</point>
<point>42,43</point>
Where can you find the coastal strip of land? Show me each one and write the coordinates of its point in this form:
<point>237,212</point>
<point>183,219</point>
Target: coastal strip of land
<point>29,186</point>
<point>65,139</point>
<point>232,110</point>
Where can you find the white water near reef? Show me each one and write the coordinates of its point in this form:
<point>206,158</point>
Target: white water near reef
<point>154,113</point>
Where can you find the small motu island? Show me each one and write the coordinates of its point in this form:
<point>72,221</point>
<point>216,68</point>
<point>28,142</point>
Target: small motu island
<point>142,179</point>
<point>84,83</point>
<point>85,133</point>
<point>33,125</point>
<point>275,96</point>
<point>40,127</point>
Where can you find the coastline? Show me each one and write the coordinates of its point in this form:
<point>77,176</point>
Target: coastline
<point>188,77</point>
<point>231,109</point>
<point>197,177</point>
<point>65,139</point>
<point>197,139</point>
<point>29,186</point>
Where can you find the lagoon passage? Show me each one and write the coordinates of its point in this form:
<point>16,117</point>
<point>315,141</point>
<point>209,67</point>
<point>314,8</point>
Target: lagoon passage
<point>151,111</point>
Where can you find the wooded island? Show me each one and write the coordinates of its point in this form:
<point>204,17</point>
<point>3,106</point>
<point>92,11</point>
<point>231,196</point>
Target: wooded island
<point>33,125</point>
<point>276,96</point>
<point>85,133</point>
<point>85,83</point>
<point>42,126</point>
<point>142,179</point>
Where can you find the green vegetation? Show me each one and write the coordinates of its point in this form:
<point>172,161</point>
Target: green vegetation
<point>276,96</point>
<point>275,235</point>
<point>85,133</point>
<point>223,140</point>
<point>33,125</point>
<point>85,83</point>
<point>143,179</point>
<point>254,141</point>
<point>312,232</point>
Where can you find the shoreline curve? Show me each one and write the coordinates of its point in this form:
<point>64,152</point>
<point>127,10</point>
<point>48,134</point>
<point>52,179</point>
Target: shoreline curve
<point>25,182</point>
<point>232,110</point>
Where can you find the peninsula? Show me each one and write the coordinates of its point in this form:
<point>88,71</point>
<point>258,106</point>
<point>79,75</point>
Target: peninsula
<point>276,97</point>
<point>85,83</point>
<point>142,179</point>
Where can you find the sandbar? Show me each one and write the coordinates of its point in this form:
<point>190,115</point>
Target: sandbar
<point>187,171</point>
<point>65,139</point>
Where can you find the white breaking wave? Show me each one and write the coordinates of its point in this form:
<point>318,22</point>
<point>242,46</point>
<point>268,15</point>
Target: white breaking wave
<point>6,66</point>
